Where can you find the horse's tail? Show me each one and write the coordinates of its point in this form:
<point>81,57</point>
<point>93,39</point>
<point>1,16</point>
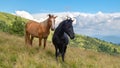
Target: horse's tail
<point>26,33</point>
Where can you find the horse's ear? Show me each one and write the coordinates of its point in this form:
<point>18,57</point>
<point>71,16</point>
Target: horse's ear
<point>67,17</point>
<point>72,20</point>
<point>49,15</point>
<point>55,16</point>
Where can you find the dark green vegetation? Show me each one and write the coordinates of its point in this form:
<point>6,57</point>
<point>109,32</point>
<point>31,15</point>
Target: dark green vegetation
<point>82,52</point>
<point>95,44</point>
<point>12,24</point>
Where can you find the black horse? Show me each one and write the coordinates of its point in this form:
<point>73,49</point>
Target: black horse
<point>60,38</point>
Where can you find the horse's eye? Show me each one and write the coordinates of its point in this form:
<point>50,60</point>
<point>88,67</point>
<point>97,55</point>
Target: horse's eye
<point>67,26</point>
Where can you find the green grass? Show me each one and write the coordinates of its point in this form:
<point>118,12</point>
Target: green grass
<point>95,44</point>
<point>15,54</point>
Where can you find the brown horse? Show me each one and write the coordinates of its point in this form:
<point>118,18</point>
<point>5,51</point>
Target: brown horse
<point>40,30</point>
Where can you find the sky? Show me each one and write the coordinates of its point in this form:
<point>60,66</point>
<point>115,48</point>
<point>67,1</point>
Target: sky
<point>42,6</point>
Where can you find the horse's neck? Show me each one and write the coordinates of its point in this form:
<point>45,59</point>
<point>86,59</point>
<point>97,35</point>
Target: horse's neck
<point>45,23</point>
<point>60,31</point>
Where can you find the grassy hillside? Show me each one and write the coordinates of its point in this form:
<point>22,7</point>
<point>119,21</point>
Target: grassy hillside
<point>12,24</point>
<point>9,18</point>
<point>89,43</point>
<point>82,52</point>
<point>15,25</point>
<point>14,54</point>
<point>95,44</point>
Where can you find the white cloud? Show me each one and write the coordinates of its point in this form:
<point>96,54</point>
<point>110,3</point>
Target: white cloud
<point>60,16</point>
<point>98,24</point>
<point>24,14</point>
<point>85,23</point>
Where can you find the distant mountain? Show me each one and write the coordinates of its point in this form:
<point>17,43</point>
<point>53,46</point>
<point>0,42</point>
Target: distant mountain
<point>113,39</point>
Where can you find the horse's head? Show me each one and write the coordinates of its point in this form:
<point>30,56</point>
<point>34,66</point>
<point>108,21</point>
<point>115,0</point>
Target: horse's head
<point>52,21</point>
<point>68,28</point>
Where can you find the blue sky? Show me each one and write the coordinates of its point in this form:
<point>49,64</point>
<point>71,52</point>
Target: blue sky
<point>98,17</point>
<point>41,6</point>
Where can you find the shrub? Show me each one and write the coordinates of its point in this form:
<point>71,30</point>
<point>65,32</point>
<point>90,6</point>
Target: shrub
<point>17,27</point>
<point>107,49</point>
<point>3,26</point>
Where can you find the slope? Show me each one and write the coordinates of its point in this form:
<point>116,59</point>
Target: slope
<point>14,54</point>
<point>95,44</point>
<point>16,26</point>
<point>8,18</point>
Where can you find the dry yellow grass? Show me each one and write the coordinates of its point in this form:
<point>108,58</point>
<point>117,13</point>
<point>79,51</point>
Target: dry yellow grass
<point>14,54</point>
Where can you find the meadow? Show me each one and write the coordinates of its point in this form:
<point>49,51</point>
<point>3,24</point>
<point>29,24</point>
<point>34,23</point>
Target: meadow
<point>15,54</point>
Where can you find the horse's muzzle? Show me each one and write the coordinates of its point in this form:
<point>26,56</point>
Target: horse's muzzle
<point>52,29</point>
<point>72,36</point>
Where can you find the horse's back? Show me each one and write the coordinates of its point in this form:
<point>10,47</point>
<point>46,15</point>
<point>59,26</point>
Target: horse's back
<point>33,27</point>
<point>31,24</point>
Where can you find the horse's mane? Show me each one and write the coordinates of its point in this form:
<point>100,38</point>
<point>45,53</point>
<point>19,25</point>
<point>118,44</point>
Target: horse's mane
<point>60,25</point>
<point>45,21</point>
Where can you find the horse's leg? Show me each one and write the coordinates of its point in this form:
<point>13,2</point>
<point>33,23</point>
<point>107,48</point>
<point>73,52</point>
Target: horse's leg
<point>27,35</point>
<point>31,40</point>
<point>26,40</point>
<point>56,53</point>
<point>40,41</point>
<point>45,39</point>
<point>63,53</point>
